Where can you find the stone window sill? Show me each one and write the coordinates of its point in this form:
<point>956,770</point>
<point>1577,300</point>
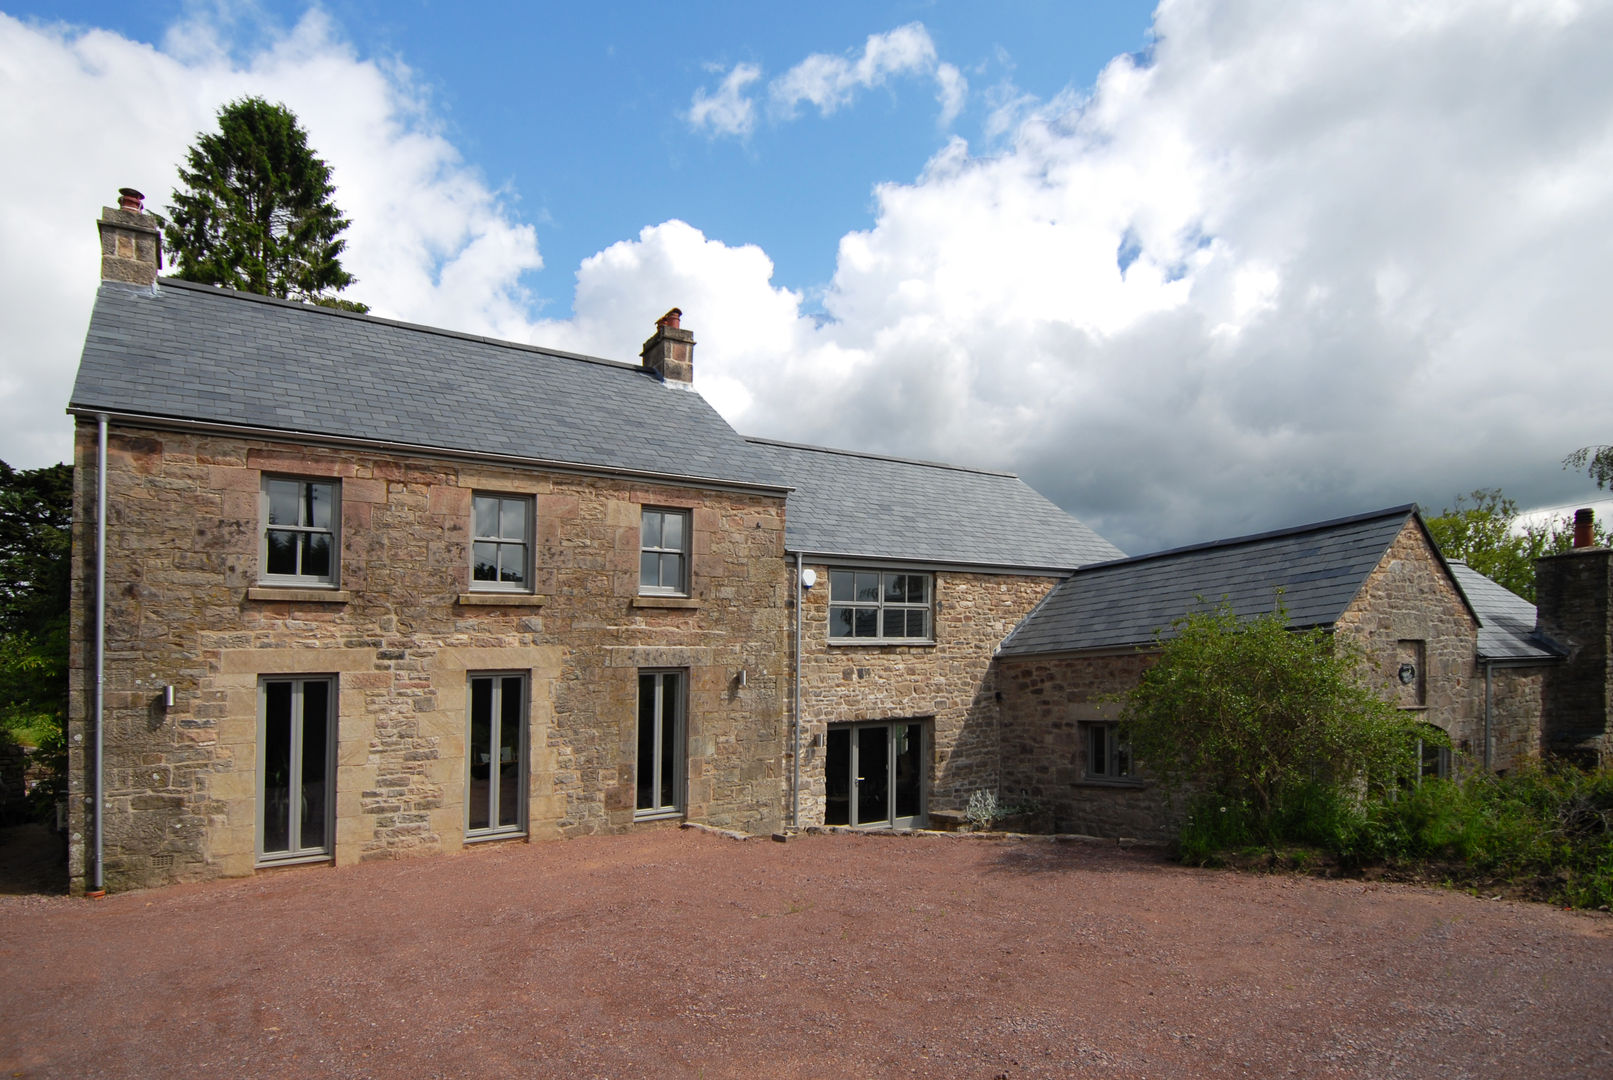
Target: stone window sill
<point>499,599</point>
<point>1100,782</point>
<point>680,603</point>
<point>1412,708</point>
<point>876,643</point>
<point>283,595</point>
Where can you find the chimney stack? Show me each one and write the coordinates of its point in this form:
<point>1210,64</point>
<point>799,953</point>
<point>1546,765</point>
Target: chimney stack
<point>670,351</point>
<point>131,242</point>
<point>1584,535</point>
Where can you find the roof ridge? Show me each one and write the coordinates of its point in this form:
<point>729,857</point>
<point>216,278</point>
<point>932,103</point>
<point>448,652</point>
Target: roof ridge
<point>380,320</point>
<point>1402,511</point>
<point>878,457</point>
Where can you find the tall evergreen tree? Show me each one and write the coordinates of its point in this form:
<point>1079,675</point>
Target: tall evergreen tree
<point>256,213</point>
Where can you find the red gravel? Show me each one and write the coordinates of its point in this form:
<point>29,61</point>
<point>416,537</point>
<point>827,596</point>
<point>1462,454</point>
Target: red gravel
<point>681,954</point>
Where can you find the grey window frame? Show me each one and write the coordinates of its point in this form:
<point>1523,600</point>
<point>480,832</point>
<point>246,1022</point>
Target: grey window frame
<point>331,580</point>
<point>296,852</point>
<point>1119,767</point>
<point>528,568</point>
<point>880,606</point>
<point>683,552</point>
<point>678,729</point>
<point>494,831</point>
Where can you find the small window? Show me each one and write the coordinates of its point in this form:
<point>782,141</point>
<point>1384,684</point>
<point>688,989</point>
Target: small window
<point>1411,677</point>
<point>1108,755</point>
<point>501,544</point>
<point>659,768</point>
<point>664,553</point>
<point>301,521</point>
<point>879,605</point>
<point>495,795</point>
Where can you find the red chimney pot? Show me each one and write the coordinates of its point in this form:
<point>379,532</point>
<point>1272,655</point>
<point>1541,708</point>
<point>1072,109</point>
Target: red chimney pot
<point>669,321</point>
<point>1584,535</point>
<point>130,199</point>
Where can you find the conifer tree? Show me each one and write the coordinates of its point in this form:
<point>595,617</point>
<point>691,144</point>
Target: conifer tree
<point>256,212</point>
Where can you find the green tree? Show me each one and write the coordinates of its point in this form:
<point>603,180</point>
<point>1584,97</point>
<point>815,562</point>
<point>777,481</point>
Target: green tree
<point>1482,530</point>
<point>256,213</point>
<point>1259,718</point>
<point>36,509</point>
<point>1597,461</point>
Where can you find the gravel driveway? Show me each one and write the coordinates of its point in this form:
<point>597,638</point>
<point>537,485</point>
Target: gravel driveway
<point>684,954</point>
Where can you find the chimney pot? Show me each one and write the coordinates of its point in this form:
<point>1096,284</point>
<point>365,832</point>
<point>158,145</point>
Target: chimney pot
<point>670,320</point>
<point>1584,535</point>
<point>132,200</point>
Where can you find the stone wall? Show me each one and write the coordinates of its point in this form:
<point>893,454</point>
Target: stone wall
<point>1515,711</point>
<point>399,635</point>
<point>1574,597</point>
<point>950,685</point>
<point>1045,701</point>
<point>1409,597</point>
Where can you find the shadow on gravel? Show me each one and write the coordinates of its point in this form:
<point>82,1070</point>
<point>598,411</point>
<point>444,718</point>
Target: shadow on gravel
<point>1065,857</point>
<point>33,861</point>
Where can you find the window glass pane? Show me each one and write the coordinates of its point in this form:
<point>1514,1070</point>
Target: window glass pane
<point>670,747</point>
<point>484,564</point>
<point>283,502</point>
<point>649,570</point>
<point>1122,759</point>
<point>916,621</point>
<point>672,571</point>
<point>837,777</point>
<point>840,586</point>
<point>315,743</point>
<point>276,767</point>
<point>909,769</point>
<point>281,557</point>
<point>646,741</point>
<point>316,555</point>
<point>510,728</point>
<point>652,529</point>
<point>512,563</point>
<point>895,623</point>
<point>867,622</point>
<point>486,515</point>
<point>479,788</point>
<point>840,622</point>
<point>868,588</point>
<point>918,589</point>
<point>1097,751</point>
<point>672,531</point>
<point>512,519</point>
<point>895,588</point>
<point>320,499</point>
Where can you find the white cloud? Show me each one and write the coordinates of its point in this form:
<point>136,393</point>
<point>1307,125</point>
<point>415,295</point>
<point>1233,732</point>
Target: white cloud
<point>829,83</point>
<point>728,111</point>
<point>92,112</point>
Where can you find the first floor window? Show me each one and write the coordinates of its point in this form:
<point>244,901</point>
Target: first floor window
<point>1108,755</point>
<point>495,796</point>
<point>661,698</point>
<point>300,519</point>
<point>879,605</point>
<point>664,553</point>
<point>501,549</point>
<point>296,765</point>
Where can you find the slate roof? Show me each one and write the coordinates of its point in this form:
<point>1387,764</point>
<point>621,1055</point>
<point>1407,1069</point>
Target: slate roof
<point>1506,620</point>
<point>1320,569</point>
<point>196,353</point>
<point>852,505</point>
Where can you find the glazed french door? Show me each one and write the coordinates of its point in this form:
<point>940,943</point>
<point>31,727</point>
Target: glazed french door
<point>874,774</point>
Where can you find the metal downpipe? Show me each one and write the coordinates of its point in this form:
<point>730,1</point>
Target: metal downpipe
<point>100,645</point>
<point>795,726</point>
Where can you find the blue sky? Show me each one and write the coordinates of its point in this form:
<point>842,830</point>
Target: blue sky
<point>1211,269</point>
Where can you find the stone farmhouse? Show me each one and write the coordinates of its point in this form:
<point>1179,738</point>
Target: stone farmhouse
<point>347,588</point>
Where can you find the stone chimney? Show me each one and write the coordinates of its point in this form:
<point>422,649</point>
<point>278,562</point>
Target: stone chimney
<point>131,242</point>
<point>1574,602</point>
<point>670,351</point>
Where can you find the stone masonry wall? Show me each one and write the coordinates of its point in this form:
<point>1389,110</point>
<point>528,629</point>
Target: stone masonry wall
<point>1409,597</point>
<point>1574,595</point>
<point>1515,701</point>
<point>400,635</point>
<point>948,684</point>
